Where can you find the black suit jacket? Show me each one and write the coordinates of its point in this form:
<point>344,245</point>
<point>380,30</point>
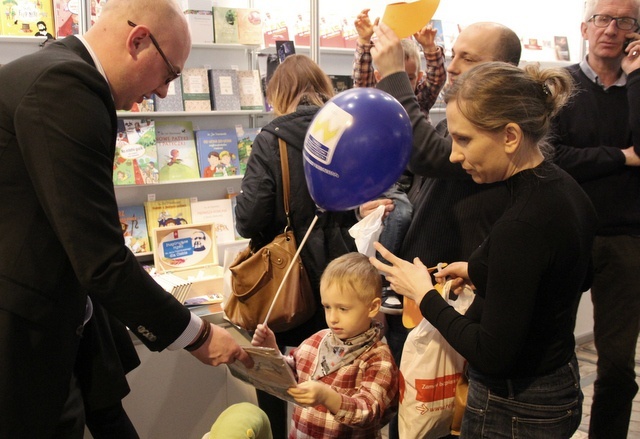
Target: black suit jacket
<point>60,236</point>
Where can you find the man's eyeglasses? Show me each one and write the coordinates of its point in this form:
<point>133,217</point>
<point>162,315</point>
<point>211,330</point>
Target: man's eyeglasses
<point>623,23</point>
<point>174,74</point>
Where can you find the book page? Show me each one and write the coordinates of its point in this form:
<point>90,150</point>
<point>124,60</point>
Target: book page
<point>270,372</point>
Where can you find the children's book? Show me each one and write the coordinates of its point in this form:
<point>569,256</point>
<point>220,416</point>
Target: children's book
<point>21,17</point>
<point>225,25</point>
<point>225,91</point>
<point>164,213</point>
<point>136,157</point>
<point>246,136</point>
<point>195,89</point>
<point>217,152</point>
<point>270,372</point>
<point>250,90</point>
<point>134,228</point>
<point>302,29</point>
<point>274,28</point>
<point>249,26</point>
<point>218,213</point>
<point>173,101</point>
<point>67,18</point>
<point>177,156</point>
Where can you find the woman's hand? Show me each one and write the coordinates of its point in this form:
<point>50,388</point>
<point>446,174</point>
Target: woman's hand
<point>370,206</point>
<point>410,280</point>
<point>458,273</point>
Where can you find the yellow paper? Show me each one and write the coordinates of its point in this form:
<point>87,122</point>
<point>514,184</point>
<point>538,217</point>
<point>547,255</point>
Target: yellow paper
<point>408,18</point>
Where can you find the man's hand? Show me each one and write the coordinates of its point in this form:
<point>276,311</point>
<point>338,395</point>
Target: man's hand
<point>221,348</point>
<point>387,53</point>
<point>631,60</point>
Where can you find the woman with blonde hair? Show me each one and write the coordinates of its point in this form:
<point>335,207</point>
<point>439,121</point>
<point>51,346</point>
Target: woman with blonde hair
<point>297,90</point>
<point>530,271</point>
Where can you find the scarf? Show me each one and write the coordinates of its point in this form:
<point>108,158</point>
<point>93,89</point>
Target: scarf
<point>334,353</point>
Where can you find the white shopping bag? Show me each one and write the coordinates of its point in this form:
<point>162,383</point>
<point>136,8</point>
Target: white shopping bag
<point>367,231</point>
<point>429,371</point>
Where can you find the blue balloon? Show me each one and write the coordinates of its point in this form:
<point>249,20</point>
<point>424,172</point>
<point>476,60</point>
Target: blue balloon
<point>356,147</point>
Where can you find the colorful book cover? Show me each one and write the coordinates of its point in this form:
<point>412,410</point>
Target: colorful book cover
<point>96,9</point>
<point>274,29</point>
<point>134,228</point>
<point>177,157</point>
<point>284,49</point>
<point>225,25</point>
<point>173,101</point>
<point>136,157</point>
<point>21,17</point>
<point>218,213</point>
<point>218,152</point>
<point>163,213</point>
<point>246,136</point>
<point>302,29</point>
<point>67,18</point>
<point>251,97</point>
<point>225,91</point>
<point>331,31</point>
<point>249,26</point>
<point>195,89</point>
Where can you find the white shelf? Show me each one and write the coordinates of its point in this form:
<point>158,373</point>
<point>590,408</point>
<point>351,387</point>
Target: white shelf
<point>186,114</point>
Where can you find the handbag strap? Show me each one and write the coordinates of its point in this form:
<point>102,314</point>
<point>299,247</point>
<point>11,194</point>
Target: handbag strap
<point>286,182</point>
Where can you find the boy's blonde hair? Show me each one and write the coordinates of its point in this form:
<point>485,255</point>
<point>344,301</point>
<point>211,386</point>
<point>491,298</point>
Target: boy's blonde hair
<point>355,275</point>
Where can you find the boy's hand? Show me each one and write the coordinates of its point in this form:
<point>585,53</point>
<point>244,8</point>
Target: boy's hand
<point>263,336</point>
<point>312,393</point>
<point>364,27</point>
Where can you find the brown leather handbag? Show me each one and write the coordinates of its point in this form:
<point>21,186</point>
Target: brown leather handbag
<point>256,277</point>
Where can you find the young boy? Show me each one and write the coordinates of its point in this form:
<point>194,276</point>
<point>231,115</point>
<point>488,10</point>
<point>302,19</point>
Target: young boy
<point>347,378</point>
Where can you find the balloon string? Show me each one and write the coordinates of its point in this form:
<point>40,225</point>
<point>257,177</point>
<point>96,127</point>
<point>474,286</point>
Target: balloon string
<point>293,261</point>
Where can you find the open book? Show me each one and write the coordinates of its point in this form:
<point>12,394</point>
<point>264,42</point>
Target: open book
<point>270,372</point>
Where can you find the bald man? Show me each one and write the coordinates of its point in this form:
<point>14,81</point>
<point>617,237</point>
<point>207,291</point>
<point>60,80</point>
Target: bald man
<point>57,143</point>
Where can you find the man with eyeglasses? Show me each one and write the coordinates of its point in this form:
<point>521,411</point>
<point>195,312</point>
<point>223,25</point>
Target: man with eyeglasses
<point>57,143</point>
<point>594,141</point>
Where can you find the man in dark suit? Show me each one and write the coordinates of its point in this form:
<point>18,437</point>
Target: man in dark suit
<point>60,238</point>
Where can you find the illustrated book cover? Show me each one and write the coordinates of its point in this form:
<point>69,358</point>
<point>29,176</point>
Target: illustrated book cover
<point>274,28</point>
<point>136,157</point>
<point>67,18</point>
<point>225,91</point>
<point>218,213</point>
<point>246,136</point>
<point>270,372</point>
<point>134,228</point>
<point>164,213</point>
<point>249,26</point>
<point>177,155</point>
<point>225,25</point>
<point>21,17</point>
<point>195,89</point>
<point>173,101</point>
<point>217,152</point>
<point>251,97</point>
